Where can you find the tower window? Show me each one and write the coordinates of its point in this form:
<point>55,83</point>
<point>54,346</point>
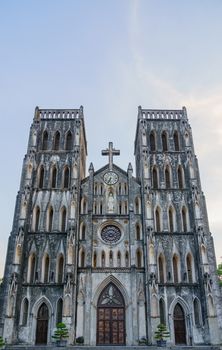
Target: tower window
<point>41,177</point>
<point>164,141</point>
<point>56,141</point>
<point>180,177</point>
<point>45,141</point>
<point>161,269</point>
<point>94,259</point>
<point>176,141</point>
<point>60,269</point>
<point>46,269</point>
<point>66,177</point>
<point>54,177</point>
<point>59,311</point>
<point>167,177</point>
<point>155,178</point>
<point>50,219</point>
<point>158,224</point>
<point>152,142</point>
<point>37,217</point>
<point>171,221</point>
<point>189,269</point>
<point>69,142</point>
<point>175,269</point>
<point>184,219</point>
<point>63,220</point>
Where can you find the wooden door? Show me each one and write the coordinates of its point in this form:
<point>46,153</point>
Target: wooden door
<point>111,317</point>
<point>42,325</point>
<point>179,325</point>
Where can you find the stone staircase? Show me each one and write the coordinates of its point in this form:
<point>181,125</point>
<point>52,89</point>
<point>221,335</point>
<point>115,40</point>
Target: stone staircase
<point>151,347</point>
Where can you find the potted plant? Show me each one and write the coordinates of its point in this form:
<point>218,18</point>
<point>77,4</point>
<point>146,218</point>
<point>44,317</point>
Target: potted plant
<point>161,334</point>
<point>60,334</point>
<point>143,341</point>
<point>2,343</point>
<point>80,340</point>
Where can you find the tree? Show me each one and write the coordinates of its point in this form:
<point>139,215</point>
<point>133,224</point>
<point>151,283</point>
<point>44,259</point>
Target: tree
<point>219,272</point>
<point>2,343</point>
<point>61,332</point>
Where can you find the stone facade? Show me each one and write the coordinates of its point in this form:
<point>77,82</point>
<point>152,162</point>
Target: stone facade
<point>111,255</point>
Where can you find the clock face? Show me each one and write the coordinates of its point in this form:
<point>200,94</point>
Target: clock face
<point>110,178</point>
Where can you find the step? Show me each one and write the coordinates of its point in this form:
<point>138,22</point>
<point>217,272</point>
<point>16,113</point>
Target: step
<point>151,347</point>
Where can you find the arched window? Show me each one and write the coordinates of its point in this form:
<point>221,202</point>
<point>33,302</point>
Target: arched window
<point>63,220</point>
<point>127,259</point>
<point>138,259</point>
<point>197,312</point>
<point>152,141</point>
<point>137,206</point>
<point>211,308</point>
<point>176,141</point>
<point>24,309</point>
<point>36,219</point>
<point>167,177</point>
<point>94,259</point>
<point>111,258</point>
<point>31,269</point>
<point>164,141</point>
<point>101,208</point>
<point>125,207</point>
<point>68,146</point>
<point>175,268</point>
<point>103,259</point>
<point>41,177</point>
<point>155,178</point>
<point>180,177</point>
<point>82,260</point>
<point>46,269</point>
<point>56,141</point>
<point>59,311</point>
<point>66,178</point>
<point>171,219</point>
<point>157,217</point>
<point>120,188</point>
<point>138,232</point>
<point>184,219</point>
<point>161,269</point>
<point>189,268</point>
<point>54,177</point>
<point>50,219</point>
<point>162,311</point>
<point>83,206</point>
<point>83,231</point>
<point>60,269</point>
<point>45,141</point>
<point>120,208</point>
<point>119,259</point>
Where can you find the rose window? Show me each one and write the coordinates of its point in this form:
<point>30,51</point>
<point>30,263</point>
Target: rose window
<point>111,234</point>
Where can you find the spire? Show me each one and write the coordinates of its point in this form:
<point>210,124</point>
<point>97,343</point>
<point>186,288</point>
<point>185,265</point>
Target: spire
<point>91,168</point>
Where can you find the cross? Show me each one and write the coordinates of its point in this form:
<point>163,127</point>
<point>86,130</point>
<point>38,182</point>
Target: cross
<point>110,152</point>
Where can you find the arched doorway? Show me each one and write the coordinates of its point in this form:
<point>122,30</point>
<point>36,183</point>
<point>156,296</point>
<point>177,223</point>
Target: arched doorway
<point>179,325</point>
<point>111,317</point>
<point>42,324</point>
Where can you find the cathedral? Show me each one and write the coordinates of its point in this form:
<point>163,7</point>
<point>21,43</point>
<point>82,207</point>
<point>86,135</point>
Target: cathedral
<point>110,253</point>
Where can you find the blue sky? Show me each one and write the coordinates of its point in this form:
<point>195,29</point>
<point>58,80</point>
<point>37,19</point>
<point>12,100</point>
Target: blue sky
<point>110,57</point>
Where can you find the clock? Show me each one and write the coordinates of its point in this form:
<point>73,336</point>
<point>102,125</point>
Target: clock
<point>110,178</point>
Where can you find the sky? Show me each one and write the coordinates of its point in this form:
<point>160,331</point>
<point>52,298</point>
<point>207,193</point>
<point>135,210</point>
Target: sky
<point>111,56</point>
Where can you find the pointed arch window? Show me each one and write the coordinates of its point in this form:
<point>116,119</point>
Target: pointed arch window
<point>46,269</point>
<point>54,177</point>
<point>139,258</point>
<point>176,141</point>
<point>171,219</point>
<point>103,259</point>
<point>127,259</point>
<point>164,141</point>
<point>184,219</point>
<point>59,310</point>
<point>161,269</point>
<point>155,178</point>
<point>50,219</point>
<point>167,177</point>
<point>82,261</point>
<point>31,269</point>
<point>189,268</point>
<point>119,259</point>
<point>94,260</point>
<point>162,311</point>
<point>57,141</point>
<point>197,313</point>
<point>158,222</point>
<point>63,220</point>
<point>152,142</point>
<point>111,258</point>
<point>25,307</point>
<point>66,178</point>
<point>138,232</point>
<point>41,177</point>
<point>69,141</point>
<point>137,206</point>
<point>175,269</point>
<point>45,141</point>
<point>180,177</point>
<point>37,217</point>
<point>60,269</point>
